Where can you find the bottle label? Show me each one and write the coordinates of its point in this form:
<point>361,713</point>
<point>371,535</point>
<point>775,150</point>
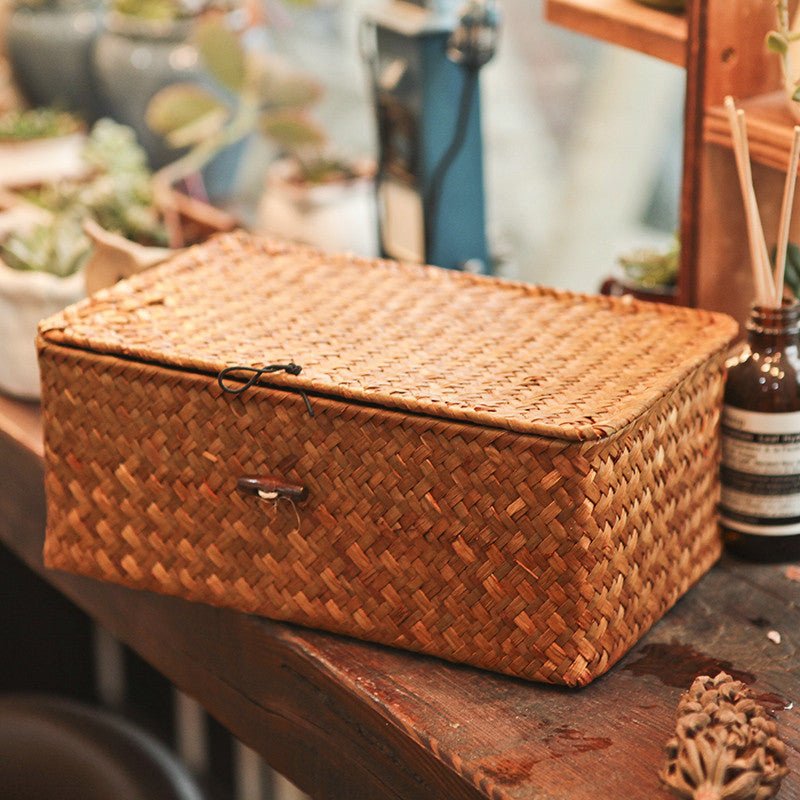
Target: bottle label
<point>760,472</point>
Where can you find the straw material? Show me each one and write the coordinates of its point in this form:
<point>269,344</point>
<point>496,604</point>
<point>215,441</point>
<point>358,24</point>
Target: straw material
<point>516,478</point>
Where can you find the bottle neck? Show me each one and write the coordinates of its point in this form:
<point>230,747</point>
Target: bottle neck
<point>774,328</point>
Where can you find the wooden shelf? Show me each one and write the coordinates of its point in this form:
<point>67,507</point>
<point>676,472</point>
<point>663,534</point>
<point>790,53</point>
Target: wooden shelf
<point>625,23</point>
<point>769,129</point>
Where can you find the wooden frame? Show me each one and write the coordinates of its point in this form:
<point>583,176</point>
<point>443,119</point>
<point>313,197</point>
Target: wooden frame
<point>724,54</point>
<point>626,23</point>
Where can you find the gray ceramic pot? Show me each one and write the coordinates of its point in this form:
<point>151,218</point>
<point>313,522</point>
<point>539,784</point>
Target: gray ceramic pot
<point>133,59</point>
<point>50,49</point>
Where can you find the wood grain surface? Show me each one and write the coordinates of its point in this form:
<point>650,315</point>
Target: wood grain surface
<point>624,22</point>
<point>344,719</point>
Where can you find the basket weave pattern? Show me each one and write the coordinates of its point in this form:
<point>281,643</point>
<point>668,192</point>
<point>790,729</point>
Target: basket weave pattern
<point>538,556</point>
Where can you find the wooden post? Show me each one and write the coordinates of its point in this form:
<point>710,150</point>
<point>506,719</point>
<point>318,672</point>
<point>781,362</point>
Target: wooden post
<point>726,55</point>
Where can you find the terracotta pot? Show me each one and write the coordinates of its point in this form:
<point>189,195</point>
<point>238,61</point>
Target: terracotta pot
<point>114,258</point>
<point>614,287</point>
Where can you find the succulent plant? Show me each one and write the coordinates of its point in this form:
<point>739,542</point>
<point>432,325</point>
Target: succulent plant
<point>725,747</point>
<point>652,269</point>
<point>118,195</point>
<point>166,10</point>
<point>36,123</point>
<point>60,247</point>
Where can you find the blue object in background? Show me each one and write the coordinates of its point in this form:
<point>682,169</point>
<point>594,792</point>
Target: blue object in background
<point>419,93</point>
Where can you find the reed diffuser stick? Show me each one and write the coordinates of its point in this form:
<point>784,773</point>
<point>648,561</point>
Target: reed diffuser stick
<point>786,217</point>
<point>758,229</point>
<point>762,276</point>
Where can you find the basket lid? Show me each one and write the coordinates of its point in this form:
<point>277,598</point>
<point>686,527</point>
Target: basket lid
<point>402,336</point>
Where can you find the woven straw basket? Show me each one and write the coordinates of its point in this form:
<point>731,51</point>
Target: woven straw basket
<point>512,477</point>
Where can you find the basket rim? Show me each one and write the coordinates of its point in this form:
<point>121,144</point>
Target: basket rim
<point>719,330</point>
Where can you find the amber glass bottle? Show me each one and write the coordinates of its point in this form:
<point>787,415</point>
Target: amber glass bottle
<point>760,507</point>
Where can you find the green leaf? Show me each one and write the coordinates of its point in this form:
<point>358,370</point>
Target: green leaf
<point>157,10</point>
<point>222,54</point>
<point>792,274</point>
<point>180,105</point>
<point>292,130</point>
<point>796,94</point>
<point>793,255</point>
<point>199,130</point>
<point>776,43</point>
<point>276,85</point>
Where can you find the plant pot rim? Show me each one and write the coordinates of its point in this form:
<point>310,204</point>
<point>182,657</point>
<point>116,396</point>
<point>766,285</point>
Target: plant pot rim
<point>281,172</point>
<point>661,289</point>
<point>33,162</point>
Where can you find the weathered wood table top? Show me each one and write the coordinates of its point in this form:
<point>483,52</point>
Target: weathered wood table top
<point>349,720</point>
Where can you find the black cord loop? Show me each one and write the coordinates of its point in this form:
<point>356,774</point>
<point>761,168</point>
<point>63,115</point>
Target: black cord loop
<point>255,373</point>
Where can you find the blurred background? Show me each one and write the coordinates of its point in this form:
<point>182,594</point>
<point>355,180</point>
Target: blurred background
<point>582,140</point>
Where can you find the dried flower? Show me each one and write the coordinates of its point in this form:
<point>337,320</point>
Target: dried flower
<point>725,747</point>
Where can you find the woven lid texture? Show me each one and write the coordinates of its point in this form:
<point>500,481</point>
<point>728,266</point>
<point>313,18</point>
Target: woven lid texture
<point>402,336</point>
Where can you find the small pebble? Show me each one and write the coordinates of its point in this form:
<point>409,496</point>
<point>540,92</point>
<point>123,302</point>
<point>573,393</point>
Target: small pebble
<point>774,636</point>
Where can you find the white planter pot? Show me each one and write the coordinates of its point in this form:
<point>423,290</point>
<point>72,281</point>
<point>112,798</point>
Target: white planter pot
<point>339,216</point>
<point>42,160</point>
<point>25,299</point>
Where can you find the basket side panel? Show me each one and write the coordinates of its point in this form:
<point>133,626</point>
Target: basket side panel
<point>654,490</point>
<point>539,558</point>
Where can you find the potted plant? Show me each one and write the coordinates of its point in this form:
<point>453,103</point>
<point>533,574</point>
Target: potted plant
<point>144,46</point>
<point>321,200</point>
<point>47,256</point>
<point>306,190</point>
<point>40,144</point>
<point>648,274</point>
<point>50,46</point>
<point>39,275</point>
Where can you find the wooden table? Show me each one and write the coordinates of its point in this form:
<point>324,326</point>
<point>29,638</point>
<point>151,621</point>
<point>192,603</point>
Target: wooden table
<point>348,720</point>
